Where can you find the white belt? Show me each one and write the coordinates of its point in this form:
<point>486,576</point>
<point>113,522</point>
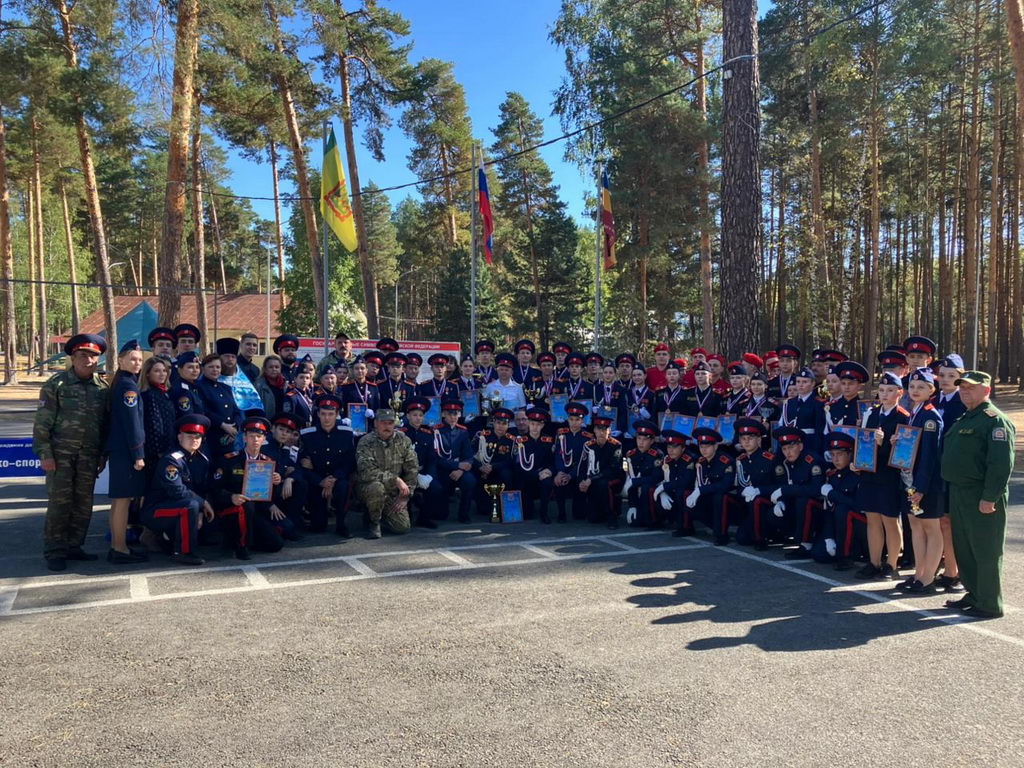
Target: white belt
<point>808,431</point>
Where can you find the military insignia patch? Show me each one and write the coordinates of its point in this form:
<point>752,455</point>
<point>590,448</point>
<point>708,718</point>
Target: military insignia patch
<point>171,473</point>
<point>42,402</point>
<point>131,398</point>
<point>218,473</point>
<point>815,470</point>
<point>931,426</point>
<point>184,404</point>
<point>999,434</point>
<point>779,470</point>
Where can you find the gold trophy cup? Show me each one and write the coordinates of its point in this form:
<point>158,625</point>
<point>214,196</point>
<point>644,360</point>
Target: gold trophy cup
<point>494,490</point>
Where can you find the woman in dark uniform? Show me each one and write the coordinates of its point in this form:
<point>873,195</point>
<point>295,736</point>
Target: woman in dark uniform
<point>159,411</point>
<point>127,454</point>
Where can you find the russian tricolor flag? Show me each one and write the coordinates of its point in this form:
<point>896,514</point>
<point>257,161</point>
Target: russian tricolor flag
<point>487,216</point>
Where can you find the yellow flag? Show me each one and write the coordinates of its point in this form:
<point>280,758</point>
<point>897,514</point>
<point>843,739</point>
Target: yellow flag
<point>334,204</point>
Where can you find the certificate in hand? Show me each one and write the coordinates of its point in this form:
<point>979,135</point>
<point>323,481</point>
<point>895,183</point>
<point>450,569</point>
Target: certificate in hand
<point>846,429</point>
<point>470,404</point>
<point>357,417</point>
<point>865,454</point>
<point>727,427</point>
<point>511,507</point>
<point>558,403</point>
<point>258,483</point>
<point>904,449</point>
<point>590,407</point>
<point>708,422</point>
<point>433,415</point>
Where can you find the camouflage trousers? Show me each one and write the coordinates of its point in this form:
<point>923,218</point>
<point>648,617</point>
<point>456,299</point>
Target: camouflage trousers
<point>381,507</point>
<point>69,489</point>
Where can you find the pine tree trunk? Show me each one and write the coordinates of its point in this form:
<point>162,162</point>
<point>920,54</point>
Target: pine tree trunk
<point>371,299</point>
<point>1016,331</point>
<point>10,326</point>
<point>198,226</point>
<point>76,318</point>
<point>185,51</point>
<point>780,266</point>
<point>301,173</point>
<point>92,194</point>
<point>871,267</point>
<point>704,173</point>
<point>29,206</point>
<point>1015,23</point>
<point>824,299</point>
<point>278,234</point>
<point>996,218</point>
<point>37,197</point>
<point>741,182</point>
<point>969,281</point>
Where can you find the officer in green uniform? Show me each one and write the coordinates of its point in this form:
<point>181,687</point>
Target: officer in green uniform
<point>977,460</point>
<point>388,469</point>
<point>68,436</point>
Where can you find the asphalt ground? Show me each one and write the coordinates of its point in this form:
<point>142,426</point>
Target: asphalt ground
<point>481,645</point>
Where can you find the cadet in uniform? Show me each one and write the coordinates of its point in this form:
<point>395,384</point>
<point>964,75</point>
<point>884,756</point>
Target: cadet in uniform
<point>603,474</point>
<point>430,490</point>
<point>186,339</point>
<point>175,505</point>
<point>413,363</point>
<point>669,399</point>
<point>610,400</point>
<point>161,342</point>
<point>185,393</point>
<point>805,411</point>
<point>126,446</point>
<point>714,475</point>
<point>438,386</point>
<point>575,386</point>
<point>388,471</point>
<point>643,473</point>
<point>799,475</point>
<point>640,399</point>
<point>843,527</point>
<point>290,495</point>
<point>67,436</point>
<point>286,346</point>
<point>789,359</point>
<point>701,400</point>
<point>755,482</point>
<point>298,399</point>
<point>977,463</point>
<point>394,391</point>
<point>677,477</point>
<point>524,371</point>
<point>569,447</point>
<point>494,460</point>
<point>561,350</point>
<point>545,385</point>
<point>329,457</point>
<point>535,462</point>
<point>595,365</point>
<point>361,389</point>
<point>846,410</point>
<point>484,353</point>
<point>455,458</point>
<point>246,523</point>
<point>735,400</point>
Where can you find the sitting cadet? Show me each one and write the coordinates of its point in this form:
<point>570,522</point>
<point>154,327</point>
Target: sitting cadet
<point>755,482</point>
<point>246,522</point>
<point>329,457</point>
<point>495,458</point>
<point>291,494</point>
<point>388,470</point>
<point>678,475</point>
<point>714,475</point>
<point>643,473</point>
<point>799,475</point>
<point>455,458</point>
<point>175,507</point>
<point>843,534</point>
<point>429,492</point>
<point>569,443</point>
<point>535,462</point>
<point>602,473</point>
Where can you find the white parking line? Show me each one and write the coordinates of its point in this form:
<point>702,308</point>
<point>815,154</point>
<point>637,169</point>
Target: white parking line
<point>138,586</point>
<point>538,551</point>
<point>7,598</point>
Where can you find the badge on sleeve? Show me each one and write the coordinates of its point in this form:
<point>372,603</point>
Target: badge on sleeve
<point>999,434</point>
<point>931,425</point>
<point>815,470</point>
<point>171,473</point>
<point>218,473</point>
<point>131,398</point>
<point>184,404</point>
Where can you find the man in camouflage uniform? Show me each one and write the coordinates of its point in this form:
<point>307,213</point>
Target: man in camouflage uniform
<point>387,472</point>
<point>68,436</point>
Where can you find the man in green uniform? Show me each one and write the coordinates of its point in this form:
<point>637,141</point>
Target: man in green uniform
<point>68,436</point>
<point>977,460</point>
<point>387,472</point>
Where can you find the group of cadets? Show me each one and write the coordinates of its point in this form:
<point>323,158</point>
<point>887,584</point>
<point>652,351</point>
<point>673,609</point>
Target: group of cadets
<point>785,478</point>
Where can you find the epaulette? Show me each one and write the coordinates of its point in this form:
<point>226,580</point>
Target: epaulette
<point>590,443</point>
<point>460,426</point>
<point>587,434</point>
<point>902,411</point>
<point>563,430</point>
<point>485,432</point>
<point>307,430</point>
<point>230,455</point>
<point>928,407</point>
<point>809,458</point>
<point>631,452</point>
<point>723,458</point>
<point>178,455</point>
<point>768,455</point>
<point>991,412</point>
<point>372,384</point>
<point>424,428</point>
<point>522,439</point>
<point>547,439</point>
<point>653,452</point>
<point>614,440</point>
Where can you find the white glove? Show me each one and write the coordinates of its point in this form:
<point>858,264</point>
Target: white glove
<point>826,489</point>
<point>369,413</point>
<point>776,494</point>
<point>666,502</point>
<point>627,485</point>
<point>659,489</point>
<point>830,547</point>
<point>691,500</point>
<point>423,481</point>
<point>750,492</point>
<point>779,509</point>
<point>630,515</point>
<point>346,422</point>
<point>645,413</point>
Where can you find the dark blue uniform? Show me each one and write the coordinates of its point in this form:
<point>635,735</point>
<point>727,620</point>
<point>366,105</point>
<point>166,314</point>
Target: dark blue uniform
<point>386,393</point>
<point>808,415</point>
<point>452,446</point>
<point>678,477</point>
<point>842,521</point>
<point>127,438</point>
<point>756,470</point>
<point>715,477</point>
<point>298,405</point>
<point>533,456</point>
<point>881,491</point>
<point>577,389</point>
<point>926,477</point>
<point>248,524</point>
<point>644,468</point>
<point>950,408</point>
<point>701,402</point>
<point>569,447</point>
<point>525,373</point>
<point>219,407</point>
<point>842,411</point>
<point>367,393</point>
<point>444,389</point>
<point>431,499</point>
<point>175,498</point>
<point>800,484</point>
<point>286,462</point>
<point>487,374</point>
<point>500,454</point>
<point>328,454</point>
<point>186,399</point>
<point>640,404</point>
<point>611,396</point>
<point>602,466</point>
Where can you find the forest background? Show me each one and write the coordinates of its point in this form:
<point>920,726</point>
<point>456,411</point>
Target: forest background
<point>886,172</point>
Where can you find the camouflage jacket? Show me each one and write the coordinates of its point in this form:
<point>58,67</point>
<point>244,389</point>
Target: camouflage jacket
<point>73,415</point>
<point>380,461</point>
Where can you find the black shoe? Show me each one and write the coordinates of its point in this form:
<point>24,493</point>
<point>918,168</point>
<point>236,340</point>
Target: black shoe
<point>561,517</point>
<point>963,602</point>
<point>761,545</point>
<point>722,540</point>
<point>613,524</point>
<point>906,561</point>
<point>343,532</point>
<point>242,553</point>
<point>463,517</point>
<point>949,584</point>
<point>888,573</point>
<point>187,558</point>
<point>800,553</point>
<point>869,571</point>
<point>843,564</point>
<point>544,518</point>
<point>980,613</point>
<point>125,558</point>
<point>907,584</point>
<point>291,536</point>
<point>918,587</point>
<point>79,554</point>
<point>426,522</point>
<point>682,532</point>
<point>57,563</point>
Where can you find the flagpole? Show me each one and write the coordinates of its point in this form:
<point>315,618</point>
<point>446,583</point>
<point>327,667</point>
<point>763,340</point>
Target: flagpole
<point>597,266</point>
<point>323,251</point>
<point>474,208</point>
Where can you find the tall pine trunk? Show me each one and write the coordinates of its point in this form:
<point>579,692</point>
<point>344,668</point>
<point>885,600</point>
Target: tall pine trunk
<point>741,181</point>
<point>871,267</point>
<point>972,212</point>
<point>996,234</point>
<point>278,234</point>
<point>37,197</point>
<point>704,173</point>
<point>10,326</point>
<point>76,317</point>
<point>199,233</point>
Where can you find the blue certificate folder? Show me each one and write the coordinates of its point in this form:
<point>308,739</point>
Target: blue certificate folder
<point>708,422</point>
<point>511,507</point>
<point>433,415</point>
<point>558,403</point>
<point>357,417</point>
<point>904,450</point>
<point>727,427</point>
<point>678,422</point>
<point>470,404</point>
<point>258,483</point>
<point>865,456</point>
<point>588,418</point>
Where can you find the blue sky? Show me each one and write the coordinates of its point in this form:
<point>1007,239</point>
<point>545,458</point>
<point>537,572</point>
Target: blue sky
<point>496,47</point>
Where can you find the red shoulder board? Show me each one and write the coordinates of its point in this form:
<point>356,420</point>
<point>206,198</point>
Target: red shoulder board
<point>808,458</point>
<point>928,407</point>
<point>590,443</point>
<point>230,455</point>
<point>428,430</point>
<point>521,439</point>
<point>372,384</point>
<point>547,439</point>
<point>563,430</point>
<point>460,426</point>
<point>768,455</point>
<point>614,441</point>
<point>902,411</point>
<point>631,452</point>
<point>653,452</point>
<point>587,435</point>
<point>485,432</point>
<point>724,459</point>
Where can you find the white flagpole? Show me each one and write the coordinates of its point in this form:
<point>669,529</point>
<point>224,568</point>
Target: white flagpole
<point>474,208</point>
<point>597,265</point>
<point>324,257</point>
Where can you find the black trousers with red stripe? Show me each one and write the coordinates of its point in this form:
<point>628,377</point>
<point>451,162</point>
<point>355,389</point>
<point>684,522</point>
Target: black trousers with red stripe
<point>803,518</point>
<point>249,525</point>
<point>179,520</point>
<point>534,490</point>
<point>716,510</point>
<point>571,492</point>
<point>603,499</point>
<point>851,531</point>
<point>320,508</point>
<point>760,524</point>
<point>648,509</point>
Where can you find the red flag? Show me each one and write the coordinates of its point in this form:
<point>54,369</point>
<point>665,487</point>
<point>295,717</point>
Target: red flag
<point>607,222</point>
<point>487,216</point>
